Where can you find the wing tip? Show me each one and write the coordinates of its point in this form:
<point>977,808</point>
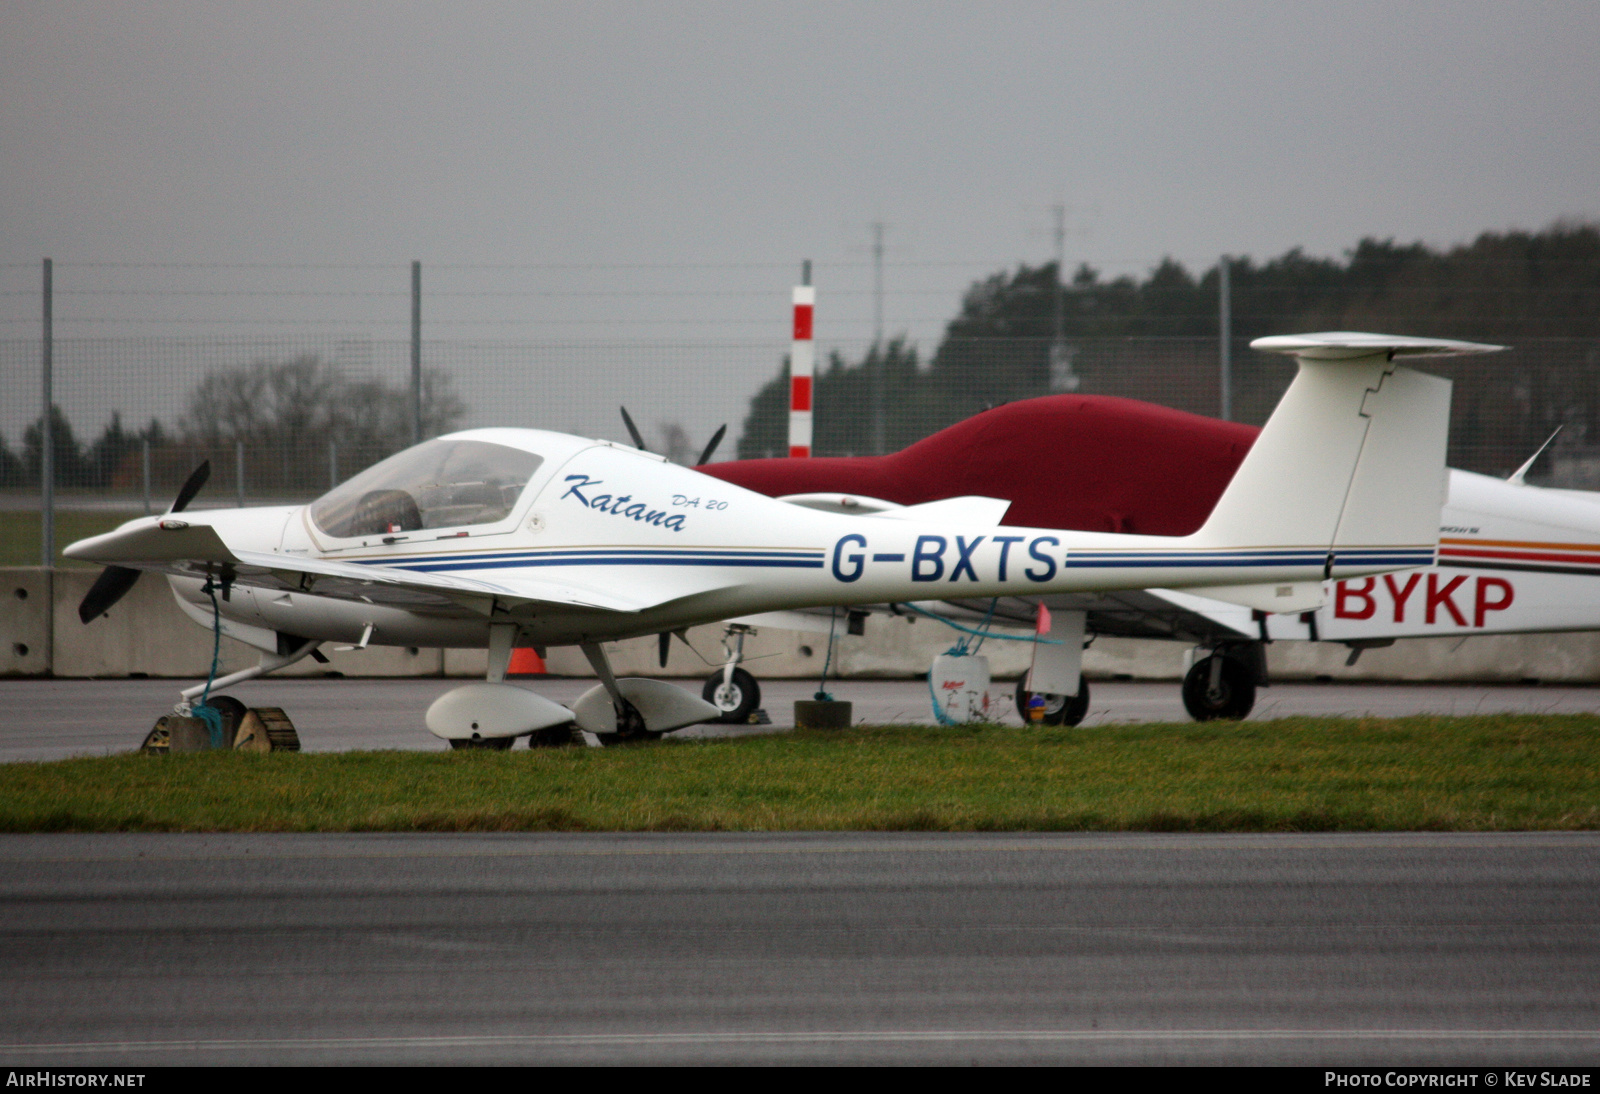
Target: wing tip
<point>1344,344</point>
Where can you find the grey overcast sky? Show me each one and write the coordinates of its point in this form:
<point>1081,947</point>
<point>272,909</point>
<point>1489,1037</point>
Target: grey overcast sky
<point>707,147</point>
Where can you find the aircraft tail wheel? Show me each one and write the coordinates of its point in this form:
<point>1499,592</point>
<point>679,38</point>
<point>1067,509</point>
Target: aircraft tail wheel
<point>1223,690</point>
<point>1059,710</point>
<point>737,699</point>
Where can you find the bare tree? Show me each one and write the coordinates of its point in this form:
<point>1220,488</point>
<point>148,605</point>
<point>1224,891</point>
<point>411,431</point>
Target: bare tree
<point>288,412</point>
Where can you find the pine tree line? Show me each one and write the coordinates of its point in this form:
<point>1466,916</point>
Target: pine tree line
<point>1002,345</point>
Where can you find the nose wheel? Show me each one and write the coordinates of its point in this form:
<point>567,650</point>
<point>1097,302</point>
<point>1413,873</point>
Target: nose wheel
<point>737,697</point>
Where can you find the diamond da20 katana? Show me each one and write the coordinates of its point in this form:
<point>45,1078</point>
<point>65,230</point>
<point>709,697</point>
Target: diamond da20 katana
<point>499,538</point>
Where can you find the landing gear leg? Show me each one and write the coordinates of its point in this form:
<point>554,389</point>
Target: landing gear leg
<point>630,723</point>
<point>731,689</point>
<point>268,663</point>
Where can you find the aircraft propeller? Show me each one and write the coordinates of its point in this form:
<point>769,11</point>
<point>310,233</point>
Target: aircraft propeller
<point>115,581</point>
<point>638,438</point>
<point>716,439</point>
<point>664,643</point>
<point>633,430</point>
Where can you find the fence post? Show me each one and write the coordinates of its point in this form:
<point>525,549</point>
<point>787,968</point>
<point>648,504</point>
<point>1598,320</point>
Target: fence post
<point>47,437</point>
<point>1225,337</point>
<point>238,470</point>
<point>333,463</point>
<point>47,467</point>
<point>146,466</point>
<point>416,352</point>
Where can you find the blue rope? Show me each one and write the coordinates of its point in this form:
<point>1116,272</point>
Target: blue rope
<point>208,714</point>
<point>822,684</point>
<point>988,615</point>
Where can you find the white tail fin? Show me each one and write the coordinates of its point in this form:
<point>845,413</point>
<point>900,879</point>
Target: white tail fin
<point>1352,459</point>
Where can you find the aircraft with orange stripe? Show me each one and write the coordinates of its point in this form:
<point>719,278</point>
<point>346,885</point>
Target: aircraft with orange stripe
<point>1509,554</point>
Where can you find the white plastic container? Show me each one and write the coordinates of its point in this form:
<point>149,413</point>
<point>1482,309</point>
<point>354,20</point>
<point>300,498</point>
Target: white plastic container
<point>960,686</point>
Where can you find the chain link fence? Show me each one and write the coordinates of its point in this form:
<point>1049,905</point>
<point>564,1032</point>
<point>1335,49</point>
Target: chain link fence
<point>283,418</point>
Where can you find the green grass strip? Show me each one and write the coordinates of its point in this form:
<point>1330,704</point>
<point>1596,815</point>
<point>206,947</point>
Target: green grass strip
<point>1489,773</point>
<point>19,532</point>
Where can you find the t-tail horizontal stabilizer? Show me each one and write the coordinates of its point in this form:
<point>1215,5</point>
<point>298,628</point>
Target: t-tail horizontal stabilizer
<point>1352,461</point>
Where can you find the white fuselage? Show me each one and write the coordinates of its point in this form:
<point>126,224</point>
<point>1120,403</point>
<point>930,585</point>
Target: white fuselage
<point>693,549</point>
<point>1511,558</point>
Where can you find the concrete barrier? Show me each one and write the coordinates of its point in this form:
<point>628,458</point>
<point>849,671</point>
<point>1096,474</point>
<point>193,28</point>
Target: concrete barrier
<point>1505,658</point>
<point>146,635</point>
<point>25,621</point>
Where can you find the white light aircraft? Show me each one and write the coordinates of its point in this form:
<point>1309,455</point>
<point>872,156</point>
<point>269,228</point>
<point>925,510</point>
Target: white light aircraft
<point>1513,558</point>
<point>499,538</point>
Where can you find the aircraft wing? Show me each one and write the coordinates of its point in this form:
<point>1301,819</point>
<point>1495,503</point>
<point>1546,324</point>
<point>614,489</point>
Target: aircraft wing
<point>1128,613</point>
<point>410,589</point>
<point>1125,613</point>
<point>196,550</point>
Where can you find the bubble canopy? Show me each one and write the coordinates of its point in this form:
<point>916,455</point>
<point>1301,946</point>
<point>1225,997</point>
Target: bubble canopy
<point>443,483</point>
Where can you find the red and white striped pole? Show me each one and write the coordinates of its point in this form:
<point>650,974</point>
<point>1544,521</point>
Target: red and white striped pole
<point>802,367</point>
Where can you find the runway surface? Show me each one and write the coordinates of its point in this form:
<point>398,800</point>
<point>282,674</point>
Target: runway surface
<point>1371,949</point>
<point>51,719</point>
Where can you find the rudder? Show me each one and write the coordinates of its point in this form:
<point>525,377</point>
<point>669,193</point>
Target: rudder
<point>1352,460</point>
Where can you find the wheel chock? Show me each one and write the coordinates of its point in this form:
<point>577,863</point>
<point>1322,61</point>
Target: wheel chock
<point>263,729</point>
<point>266,729</point>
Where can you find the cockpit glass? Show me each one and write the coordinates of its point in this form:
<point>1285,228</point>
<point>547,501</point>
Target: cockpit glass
<point>439,484</point>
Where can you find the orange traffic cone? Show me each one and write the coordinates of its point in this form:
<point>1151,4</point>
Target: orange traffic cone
<point>526,662</point>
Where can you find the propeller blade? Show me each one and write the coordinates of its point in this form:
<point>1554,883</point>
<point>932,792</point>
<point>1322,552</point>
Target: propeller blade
<point>191,487</point>
<point>663,644</point>
<point>633,430</point>
<point>115,581</point>
<point>111,586</point>
<point>716,439</point>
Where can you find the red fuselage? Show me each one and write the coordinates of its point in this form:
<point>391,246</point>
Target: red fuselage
<point>1088,463</point>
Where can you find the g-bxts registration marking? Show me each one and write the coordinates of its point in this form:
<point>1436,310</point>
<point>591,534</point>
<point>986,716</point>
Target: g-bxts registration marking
<point>929,557</point>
